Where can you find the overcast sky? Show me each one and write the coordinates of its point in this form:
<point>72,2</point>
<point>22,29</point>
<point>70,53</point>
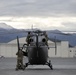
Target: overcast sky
<point>43,14</point>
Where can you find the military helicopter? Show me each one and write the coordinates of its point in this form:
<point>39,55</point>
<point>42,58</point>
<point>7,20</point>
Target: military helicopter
<point>36,48</point>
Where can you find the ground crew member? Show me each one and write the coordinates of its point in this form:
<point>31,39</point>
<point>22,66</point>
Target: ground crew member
<point>19,60</point>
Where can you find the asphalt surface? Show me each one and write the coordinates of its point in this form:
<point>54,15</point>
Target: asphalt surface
<point>62,66</point>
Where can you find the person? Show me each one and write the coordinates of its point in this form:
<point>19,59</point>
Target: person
<point>28,38</point>
<point>19,60</point>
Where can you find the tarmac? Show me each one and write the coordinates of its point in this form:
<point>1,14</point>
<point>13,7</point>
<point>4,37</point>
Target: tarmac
<point>61,66</point>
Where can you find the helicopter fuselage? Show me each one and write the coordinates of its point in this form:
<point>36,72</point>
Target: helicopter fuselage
<point>37,55</point>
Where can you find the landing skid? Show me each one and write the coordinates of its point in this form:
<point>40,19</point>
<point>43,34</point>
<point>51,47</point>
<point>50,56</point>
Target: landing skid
<point>48,63</point>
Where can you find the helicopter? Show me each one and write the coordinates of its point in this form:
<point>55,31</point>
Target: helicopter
<point>36,48</point>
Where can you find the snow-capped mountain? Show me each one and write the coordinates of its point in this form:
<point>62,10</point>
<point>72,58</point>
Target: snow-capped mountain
<point>8,33</point>
<point>5,26</point>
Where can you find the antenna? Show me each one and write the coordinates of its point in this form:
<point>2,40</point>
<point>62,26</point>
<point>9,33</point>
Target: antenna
<point>32,27</point>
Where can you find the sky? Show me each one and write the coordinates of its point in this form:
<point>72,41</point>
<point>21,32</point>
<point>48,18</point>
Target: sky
<point>41,14</point>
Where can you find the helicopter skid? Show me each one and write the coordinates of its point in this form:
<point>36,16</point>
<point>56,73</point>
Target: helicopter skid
<point>47,63</point>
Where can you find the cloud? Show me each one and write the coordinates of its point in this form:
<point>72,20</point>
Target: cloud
<point>71,26</point>
<point>37,22</point>
<point>37,7</point>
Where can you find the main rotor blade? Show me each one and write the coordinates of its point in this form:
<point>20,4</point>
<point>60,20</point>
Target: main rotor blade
<point>18,43</point>
<point>55,46</point>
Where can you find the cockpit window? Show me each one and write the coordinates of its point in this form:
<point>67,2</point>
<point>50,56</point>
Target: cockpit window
<point>33,39</point>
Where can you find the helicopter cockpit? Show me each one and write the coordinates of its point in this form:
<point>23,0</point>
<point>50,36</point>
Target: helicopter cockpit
<point>38,38</point>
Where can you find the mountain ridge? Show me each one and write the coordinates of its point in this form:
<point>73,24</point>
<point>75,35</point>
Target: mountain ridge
<point>5,26</point>
<point>9,33</point>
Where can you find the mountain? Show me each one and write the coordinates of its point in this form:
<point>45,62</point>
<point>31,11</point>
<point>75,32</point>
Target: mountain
<point>5,26</point>
<point>59,36</point>
<point>8,33</point>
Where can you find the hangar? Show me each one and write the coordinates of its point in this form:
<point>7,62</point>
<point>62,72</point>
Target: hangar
<point>63,49</point>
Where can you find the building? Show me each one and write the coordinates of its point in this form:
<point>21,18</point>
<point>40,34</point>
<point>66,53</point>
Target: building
<point>63,50</point>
